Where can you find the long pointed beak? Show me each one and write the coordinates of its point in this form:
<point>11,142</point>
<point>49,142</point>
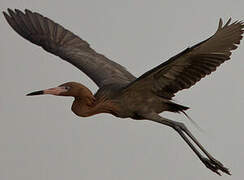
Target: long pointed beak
<point>35,93</point>
<point>54,91</point>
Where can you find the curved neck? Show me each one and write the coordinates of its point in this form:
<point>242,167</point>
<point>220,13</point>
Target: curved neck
<point>88,106</point>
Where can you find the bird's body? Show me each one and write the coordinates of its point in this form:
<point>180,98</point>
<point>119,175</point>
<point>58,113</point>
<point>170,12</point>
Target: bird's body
<point>121,93</point>
<point>114,99</point>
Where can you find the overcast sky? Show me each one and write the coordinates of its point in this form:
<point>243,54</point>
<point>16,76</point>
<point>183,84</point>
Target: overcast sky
<point>41,139</point>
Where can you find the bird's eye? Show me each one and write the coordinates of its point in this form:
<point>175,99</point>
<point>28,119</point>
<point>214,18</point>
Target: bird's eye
<point>66,87</point>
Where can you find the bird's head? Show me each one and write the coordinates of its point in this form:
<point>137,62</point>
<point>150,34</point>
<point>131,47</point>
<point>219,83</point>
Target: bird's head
<point>74,89</point>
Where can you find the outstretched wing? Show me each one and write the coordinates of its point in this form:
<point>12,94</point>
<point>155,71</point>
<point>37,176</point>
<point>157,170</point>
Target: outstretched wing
<point>188,67</point>
<point>57,40</point>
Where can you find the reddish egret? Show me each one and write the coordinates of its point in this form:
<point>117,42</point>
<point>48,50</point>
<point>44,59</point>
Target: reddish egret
<point>122,94</point>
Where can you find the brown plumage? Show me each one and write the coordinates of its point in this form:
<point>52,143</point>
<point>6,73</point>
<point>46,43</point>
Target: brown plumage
<point>120,93</point>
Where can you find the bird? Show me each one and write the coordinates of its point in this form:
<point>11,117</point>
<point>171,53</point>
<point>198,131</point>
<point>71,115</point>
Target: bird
<point>122,94</point>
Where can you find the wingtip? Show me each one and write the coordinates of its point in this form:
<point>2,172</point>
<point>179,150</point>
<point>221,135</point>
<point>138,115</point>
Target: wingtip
<point>228,22</point>
<point>220,23</point>
<point>28,11</point>
<point>16,10</point>
<point>229,19</point>
<point>10,10</point>
<point>4,13</point>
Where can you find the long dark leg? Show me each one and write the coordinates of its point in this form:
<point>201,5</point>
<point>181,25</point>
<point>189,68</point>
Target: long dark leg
<point>209,162</point>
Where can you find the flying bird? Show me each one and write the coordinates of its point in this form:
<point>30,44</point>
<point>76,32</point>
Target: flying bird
<point>122,94</point>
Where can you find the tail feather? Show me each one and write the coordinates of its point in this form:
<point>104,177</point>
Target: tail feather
<point>173,107</point>
<point>193,122</point>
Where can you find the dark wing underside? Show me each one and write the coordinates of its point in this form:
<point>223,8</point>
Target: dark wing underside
<point>188,67</point>
<point>57,40</point>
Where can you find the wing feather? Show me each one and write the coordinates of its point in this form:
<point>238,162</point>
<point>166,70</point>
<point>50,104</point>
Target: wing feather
<point>54,38</point>
<point>191,65</point>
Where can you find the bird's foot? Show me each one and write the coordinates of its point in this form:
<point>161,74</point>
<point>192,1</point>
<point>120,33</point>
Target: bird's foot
<point>214,165</point>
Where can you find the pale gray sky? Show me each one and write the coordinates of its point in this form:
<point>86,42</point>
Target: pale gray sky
<point>41,139</point>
